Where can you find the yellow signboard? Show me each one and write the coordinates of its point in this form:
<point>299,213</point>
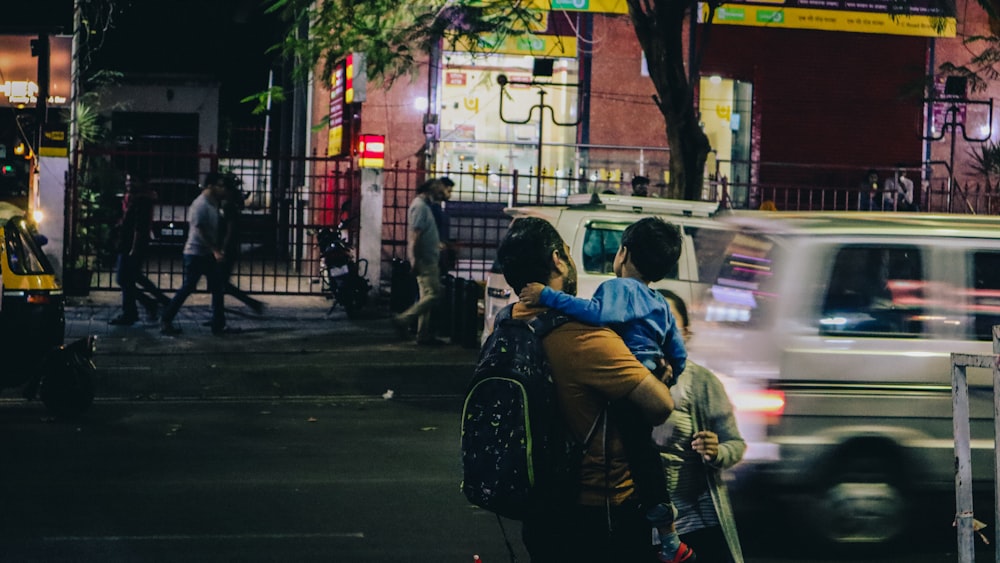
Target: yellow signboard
<point>826,20</point>
<point>595,6</point>
<point>529,44</point>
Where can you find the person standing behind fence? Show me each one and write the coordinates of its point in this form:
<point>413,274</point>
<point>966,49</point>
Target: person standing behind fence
<point>899,193</point>
<point>868,196</point>
<point>132,244</point>
<point>203,256</point>
<point>640,186</point>
<point>231,212</point>
<point>423,250</point>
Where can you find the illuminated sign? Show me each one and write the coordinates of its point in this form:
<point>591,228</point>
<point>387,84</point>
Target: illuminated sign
<point>335,137</point>
<point>593,6</point>
<point>833,15</point>
<point>19,83</point>
<point>371,151</point>
<point>527,44</point>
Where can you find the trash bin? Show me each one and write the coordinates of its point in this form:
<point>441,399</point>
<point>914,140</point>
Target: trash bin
<point>465,313</point>
<point>457,299</point>
<point>441,317</point>
<point>403,286</point>
<point>471,322</point>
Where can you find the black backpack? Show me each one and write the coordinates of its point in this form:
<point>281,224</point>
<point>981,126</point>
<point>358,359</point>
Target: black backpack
<point>517,453</point>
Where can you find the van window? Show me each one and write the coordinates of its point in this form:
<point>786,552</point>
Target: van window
<point>599,248</point>
<point>709,249</point>
<point>742,291</point>
<point>875,290</point>
<point>986,293</point>
<point>600,244</point>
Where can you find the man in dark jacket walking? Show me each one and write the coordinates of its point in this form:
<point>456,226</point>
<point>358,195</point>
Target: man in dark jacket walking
<point>133,242</point>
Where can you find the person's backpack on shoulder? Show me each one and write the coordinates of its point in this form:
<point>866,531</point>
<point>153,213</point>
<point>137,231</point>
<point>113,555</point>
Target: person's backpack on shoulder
<point>517,453</point>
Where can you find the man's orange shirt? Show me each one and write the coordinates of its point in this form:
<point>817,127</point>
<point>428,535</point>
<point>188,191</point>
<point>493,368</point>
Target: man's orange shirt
<point>592,366</point>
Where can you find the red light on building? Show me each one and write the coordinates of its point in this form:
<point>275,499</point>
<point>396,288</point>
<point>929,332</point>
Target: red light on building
<point>371,151</point>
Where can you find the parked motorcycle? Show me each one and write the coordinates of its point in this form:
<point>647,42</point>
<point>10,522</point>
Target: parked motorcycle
<point>343,275</point>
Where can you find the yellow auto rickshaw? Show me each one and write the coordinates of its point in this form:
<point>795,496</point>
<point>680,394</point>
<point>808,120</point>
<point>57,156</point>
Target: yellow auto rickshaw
<point>33,323</point>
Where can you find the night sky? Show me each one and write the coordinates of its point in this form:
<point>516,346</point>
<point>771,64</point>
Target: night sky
<point>226,39</point>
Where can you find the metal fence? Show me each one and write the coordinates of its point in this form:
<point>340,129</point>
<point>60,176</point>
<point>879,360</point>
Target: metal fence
<point>289,198</point>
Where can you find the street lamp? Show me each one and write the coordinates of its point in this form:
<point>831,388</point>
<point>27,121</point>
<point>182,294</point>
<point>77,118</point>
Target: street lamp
<point>541,106</point>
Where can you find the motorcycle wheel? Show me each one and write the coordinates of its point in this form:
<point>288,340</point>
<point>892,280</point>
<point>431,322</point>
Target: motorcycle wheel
<point>67,387</point>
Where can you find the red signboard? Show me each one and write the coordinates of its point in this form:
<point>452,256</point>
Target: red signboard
<point>455,78</point>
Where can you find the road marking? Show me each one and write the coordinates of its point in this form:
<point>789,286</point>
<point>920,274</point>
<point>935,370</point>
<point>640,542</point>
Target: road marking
<point>183,537</point>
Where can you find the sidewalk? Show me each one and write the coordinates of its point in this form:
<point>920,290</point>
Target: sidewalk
<point>292,350</point>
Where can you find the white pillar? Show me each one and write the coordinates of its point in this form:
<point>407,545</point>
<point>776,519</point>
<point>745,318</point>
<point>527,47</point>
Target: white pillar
<point>370,235</point>
<point>52,203</point>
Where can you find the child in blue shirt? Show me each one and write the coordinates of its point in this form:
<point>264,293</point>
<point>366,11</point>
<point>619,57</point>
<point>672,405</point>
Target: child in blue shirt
<point>649,250</point>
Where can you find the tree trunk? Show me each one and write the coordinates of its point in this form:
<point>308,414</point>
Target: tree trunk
<point>660,33</point>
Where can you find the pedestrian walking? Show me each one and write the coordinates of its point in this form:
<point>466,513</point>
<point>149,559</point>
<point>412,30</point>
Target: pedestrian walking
<point>132,244</point>
<point>203,256</point>
<point>423,250</point>
<point>591,367</point>
<point>230,222</point>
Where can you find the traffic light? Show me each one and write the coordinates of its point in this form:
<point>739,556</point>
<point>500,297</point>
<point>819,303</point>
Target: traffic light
<point>7,170</point>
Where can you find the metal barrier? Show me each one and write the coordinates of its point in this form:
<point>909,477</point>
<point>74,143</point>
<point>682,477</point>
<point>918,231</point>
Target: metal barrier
<point>963,447</point>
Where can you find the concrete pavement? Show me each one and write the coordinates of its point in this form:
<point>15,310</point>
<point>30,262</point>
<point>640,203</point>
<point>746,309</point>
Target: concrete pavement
<point>292,350</point>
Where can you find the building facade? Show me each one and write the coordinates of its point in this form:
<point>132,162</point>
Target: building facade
<point>781,106</point>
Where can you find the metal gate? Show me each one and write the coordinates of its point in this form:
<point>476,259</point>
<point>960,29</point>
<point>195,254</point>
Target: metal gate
<point>287,198</point>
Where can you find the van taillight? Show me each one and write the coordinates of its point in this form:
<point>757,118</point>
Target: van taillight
<point>769,402</point>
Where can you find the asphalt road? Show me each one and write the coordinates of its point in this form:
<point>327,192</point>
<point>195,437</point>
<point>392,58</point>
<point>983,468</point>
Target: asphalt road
<point>333,479</point>
<point>276,445</point>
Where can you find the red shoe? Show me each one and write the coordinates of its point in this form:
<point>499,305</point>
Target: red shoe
<point>684,554</point>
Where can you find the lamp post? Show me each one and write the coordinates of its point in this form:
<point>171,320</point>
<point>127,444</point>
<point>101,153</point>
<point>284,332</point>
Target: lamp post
<point>541,106</point>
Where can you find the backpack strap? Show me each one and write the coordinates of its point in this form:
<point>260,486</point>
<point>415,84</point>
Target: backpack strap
<point>547,321</point>
<point>503,314</point>
<point>544,323</point>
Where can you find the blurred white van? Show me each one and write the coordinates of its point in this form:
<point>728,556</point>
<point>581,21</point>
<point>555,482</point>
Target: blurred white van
<point>851,318</point>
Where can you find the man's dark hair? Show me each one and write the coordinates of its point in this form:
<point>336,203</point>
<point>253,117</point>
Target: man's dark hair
<point>654,246</point>
<point>232,181</point>
<point>525,254</point>
<point>212,178</point>
<point>448,182</point>
<point>426,186</point>
<point>639,180</point>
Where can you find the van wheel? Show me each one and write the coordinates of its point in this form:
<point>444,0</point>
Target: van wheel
<point>861,504</point>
